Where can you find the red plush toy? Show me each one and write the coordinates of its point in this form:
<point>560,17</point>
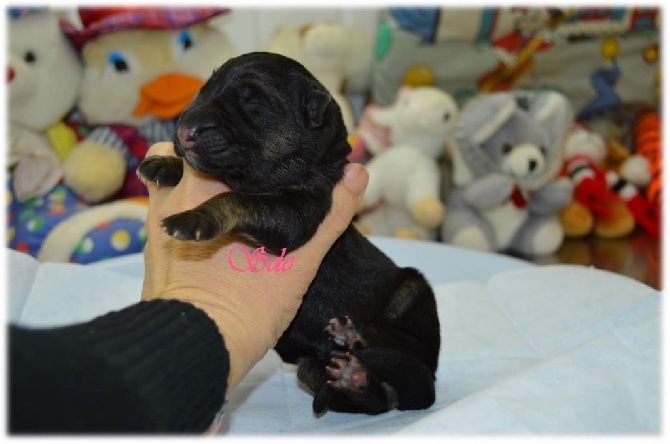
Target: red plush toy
<point>604,202</point>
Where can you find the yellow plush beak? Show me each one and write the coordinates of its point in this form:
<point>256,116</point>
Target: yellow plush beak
<point>167,96</point>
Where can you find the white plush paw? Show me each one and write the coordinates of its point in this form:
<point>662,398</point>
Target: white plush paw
<point>408,233</point>
<point>428,213</point>
<point>94,171</point>
<point>472,238</point>
<point>548,239</point>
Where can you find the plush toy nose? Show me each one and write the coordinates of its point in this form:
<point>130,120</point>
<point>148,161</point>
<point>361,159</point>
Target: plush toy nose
<point>167,96</point>
<point>532,164</point>
<point>10,74</point>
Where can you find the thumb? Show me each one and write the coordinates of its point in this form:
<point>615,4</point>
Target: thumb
<point>347,195</point>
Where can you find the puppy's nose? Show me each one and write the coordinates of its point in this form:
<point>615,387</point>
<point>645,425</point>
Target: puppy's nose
<point>187,136</point>
<point>532,164</point>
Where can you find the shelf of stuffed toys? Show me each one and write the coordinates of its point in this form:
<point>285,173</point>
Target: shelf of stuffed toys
<point>596,201</point>
<point>614,221</point>
<point>82,112</point>
<point>558,161</point>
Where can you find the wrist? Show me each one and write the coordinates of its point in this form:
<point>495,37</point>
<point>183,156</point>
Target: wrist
<point>245,345</point>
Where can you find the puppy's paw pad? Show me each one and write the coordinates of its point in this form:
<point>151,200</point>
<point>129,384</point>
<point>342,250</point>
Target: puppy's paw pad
<point>343,332</point>
<point>347,373</point>
<point>191,225</point>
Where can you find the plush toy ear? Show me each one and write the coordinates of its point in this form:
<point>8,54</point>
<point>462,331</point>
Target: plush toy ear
<point>553,111</point>
<point>382,116</point>
<point>317,102</point>
<point>486,115</point>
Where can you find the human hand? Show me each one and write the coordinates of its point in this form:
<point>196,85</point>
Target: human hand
<point>251,309</point>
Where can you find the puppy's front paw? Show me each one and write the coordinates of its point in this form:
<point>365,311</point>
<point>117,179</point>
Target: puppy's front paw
<point>347,373</point>
<point>162,170</point>
<point>192,225</point>
<point>343,332</point>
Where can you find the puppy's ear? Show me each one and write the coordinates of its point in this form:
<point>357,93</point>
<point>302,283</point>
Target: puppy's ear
<point>317,101</point>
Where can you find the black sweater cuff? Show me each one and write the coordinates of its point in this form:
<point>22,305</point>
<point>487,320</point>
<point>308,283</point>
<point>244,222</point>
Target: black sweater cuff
<point>158,366</point>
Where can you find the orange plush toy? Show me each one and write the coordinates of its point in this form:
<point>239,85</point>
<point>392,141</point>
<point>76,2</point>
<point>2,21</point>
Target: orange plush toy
<point>644,169</point>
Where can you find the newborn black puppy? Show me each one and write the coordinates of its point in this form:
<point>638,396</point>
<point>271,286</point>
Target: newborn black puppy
<point>366,337</point>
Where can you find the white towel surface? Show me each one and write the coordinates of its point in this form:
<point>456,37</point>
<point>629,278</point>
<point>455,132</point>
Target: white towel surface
<point>525,349</point>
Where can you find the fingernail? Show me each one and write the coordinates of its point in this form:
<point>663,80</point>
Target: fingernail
<point>355,177</point>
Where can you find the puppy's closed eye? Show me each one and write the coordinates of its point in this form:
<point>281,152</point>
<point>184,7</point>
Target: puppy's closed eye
<point>247,96</point>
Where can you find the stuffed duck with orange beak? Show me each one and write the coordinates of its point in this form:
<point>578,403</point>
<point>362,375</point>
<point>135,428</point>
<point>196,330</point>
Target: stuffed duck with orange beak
<point>142,67</point>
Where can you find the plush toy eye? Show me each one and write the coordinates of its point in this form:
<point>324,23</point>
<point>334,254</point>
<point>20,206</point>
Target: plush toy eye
<point>506,148</point>
<point>118,61</point>
<point>185,40</point>
<point>446,116</point>
<point>29,57</point>
<point>543,150</point>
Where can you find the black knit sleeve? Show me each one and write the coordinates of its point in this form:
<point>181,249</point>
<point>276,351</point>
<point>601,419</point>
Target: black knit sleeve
<point>154,367</point>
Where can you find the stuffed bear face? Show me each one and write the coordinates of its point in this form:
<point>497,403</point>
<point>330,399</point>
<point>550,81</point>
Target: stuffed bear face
<point>520,134</point>
<point>43,73</point>
<point>581,141</point>
<point>425,109</point>
<point>120,66</point>
<point>519,149</point>
<point>423,117</point>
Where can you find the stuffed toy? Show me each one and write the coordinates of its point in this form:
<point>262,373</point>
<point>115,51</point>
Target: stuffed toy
<point>507,150</point>
<point>644,167</point>
<point>629,141</point>
<point>339,56</point>
<point>369,137</point>
<point>373,134</point>
<point>596,207</point>
<point>43,78</point>
<point>403,194</point>
<point>44,217</point>
<point>142,67</point>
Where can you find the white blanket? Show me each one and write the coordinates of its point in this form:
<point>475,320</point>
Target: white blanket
<point>525,349</point>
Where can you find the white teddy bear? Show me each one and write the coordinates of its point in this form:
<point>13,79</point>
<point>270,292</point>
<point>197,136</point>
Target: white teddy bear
<point>43,79</point>
<point>44,217</point>
<point>403,195</point>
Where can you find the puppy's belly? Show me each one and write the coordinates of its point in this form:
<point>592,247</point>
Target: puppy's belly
<point>355,279</point>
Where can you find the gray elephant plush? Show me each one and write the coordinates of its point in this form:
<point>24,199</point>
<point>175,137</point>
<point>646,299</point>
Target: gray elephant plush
<point>507,151</point>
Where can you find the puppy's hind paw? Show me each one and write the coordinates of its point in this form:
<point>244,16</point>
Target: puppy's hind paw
<point>347,373</point>
<point>343,332</point>
<point>192,226</point>
<point>352,387</point>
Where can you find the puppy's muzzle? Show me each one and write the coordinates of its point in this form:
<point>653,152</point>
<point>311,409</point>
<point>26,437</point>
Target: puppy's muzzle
<point>188,136</point>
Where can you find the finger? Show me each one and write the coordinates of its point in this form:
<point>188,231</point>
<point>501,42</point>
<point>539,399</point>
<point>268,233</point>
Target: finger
<point>347,195</point>
<point>161,149</point>
<point>195,188</point>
